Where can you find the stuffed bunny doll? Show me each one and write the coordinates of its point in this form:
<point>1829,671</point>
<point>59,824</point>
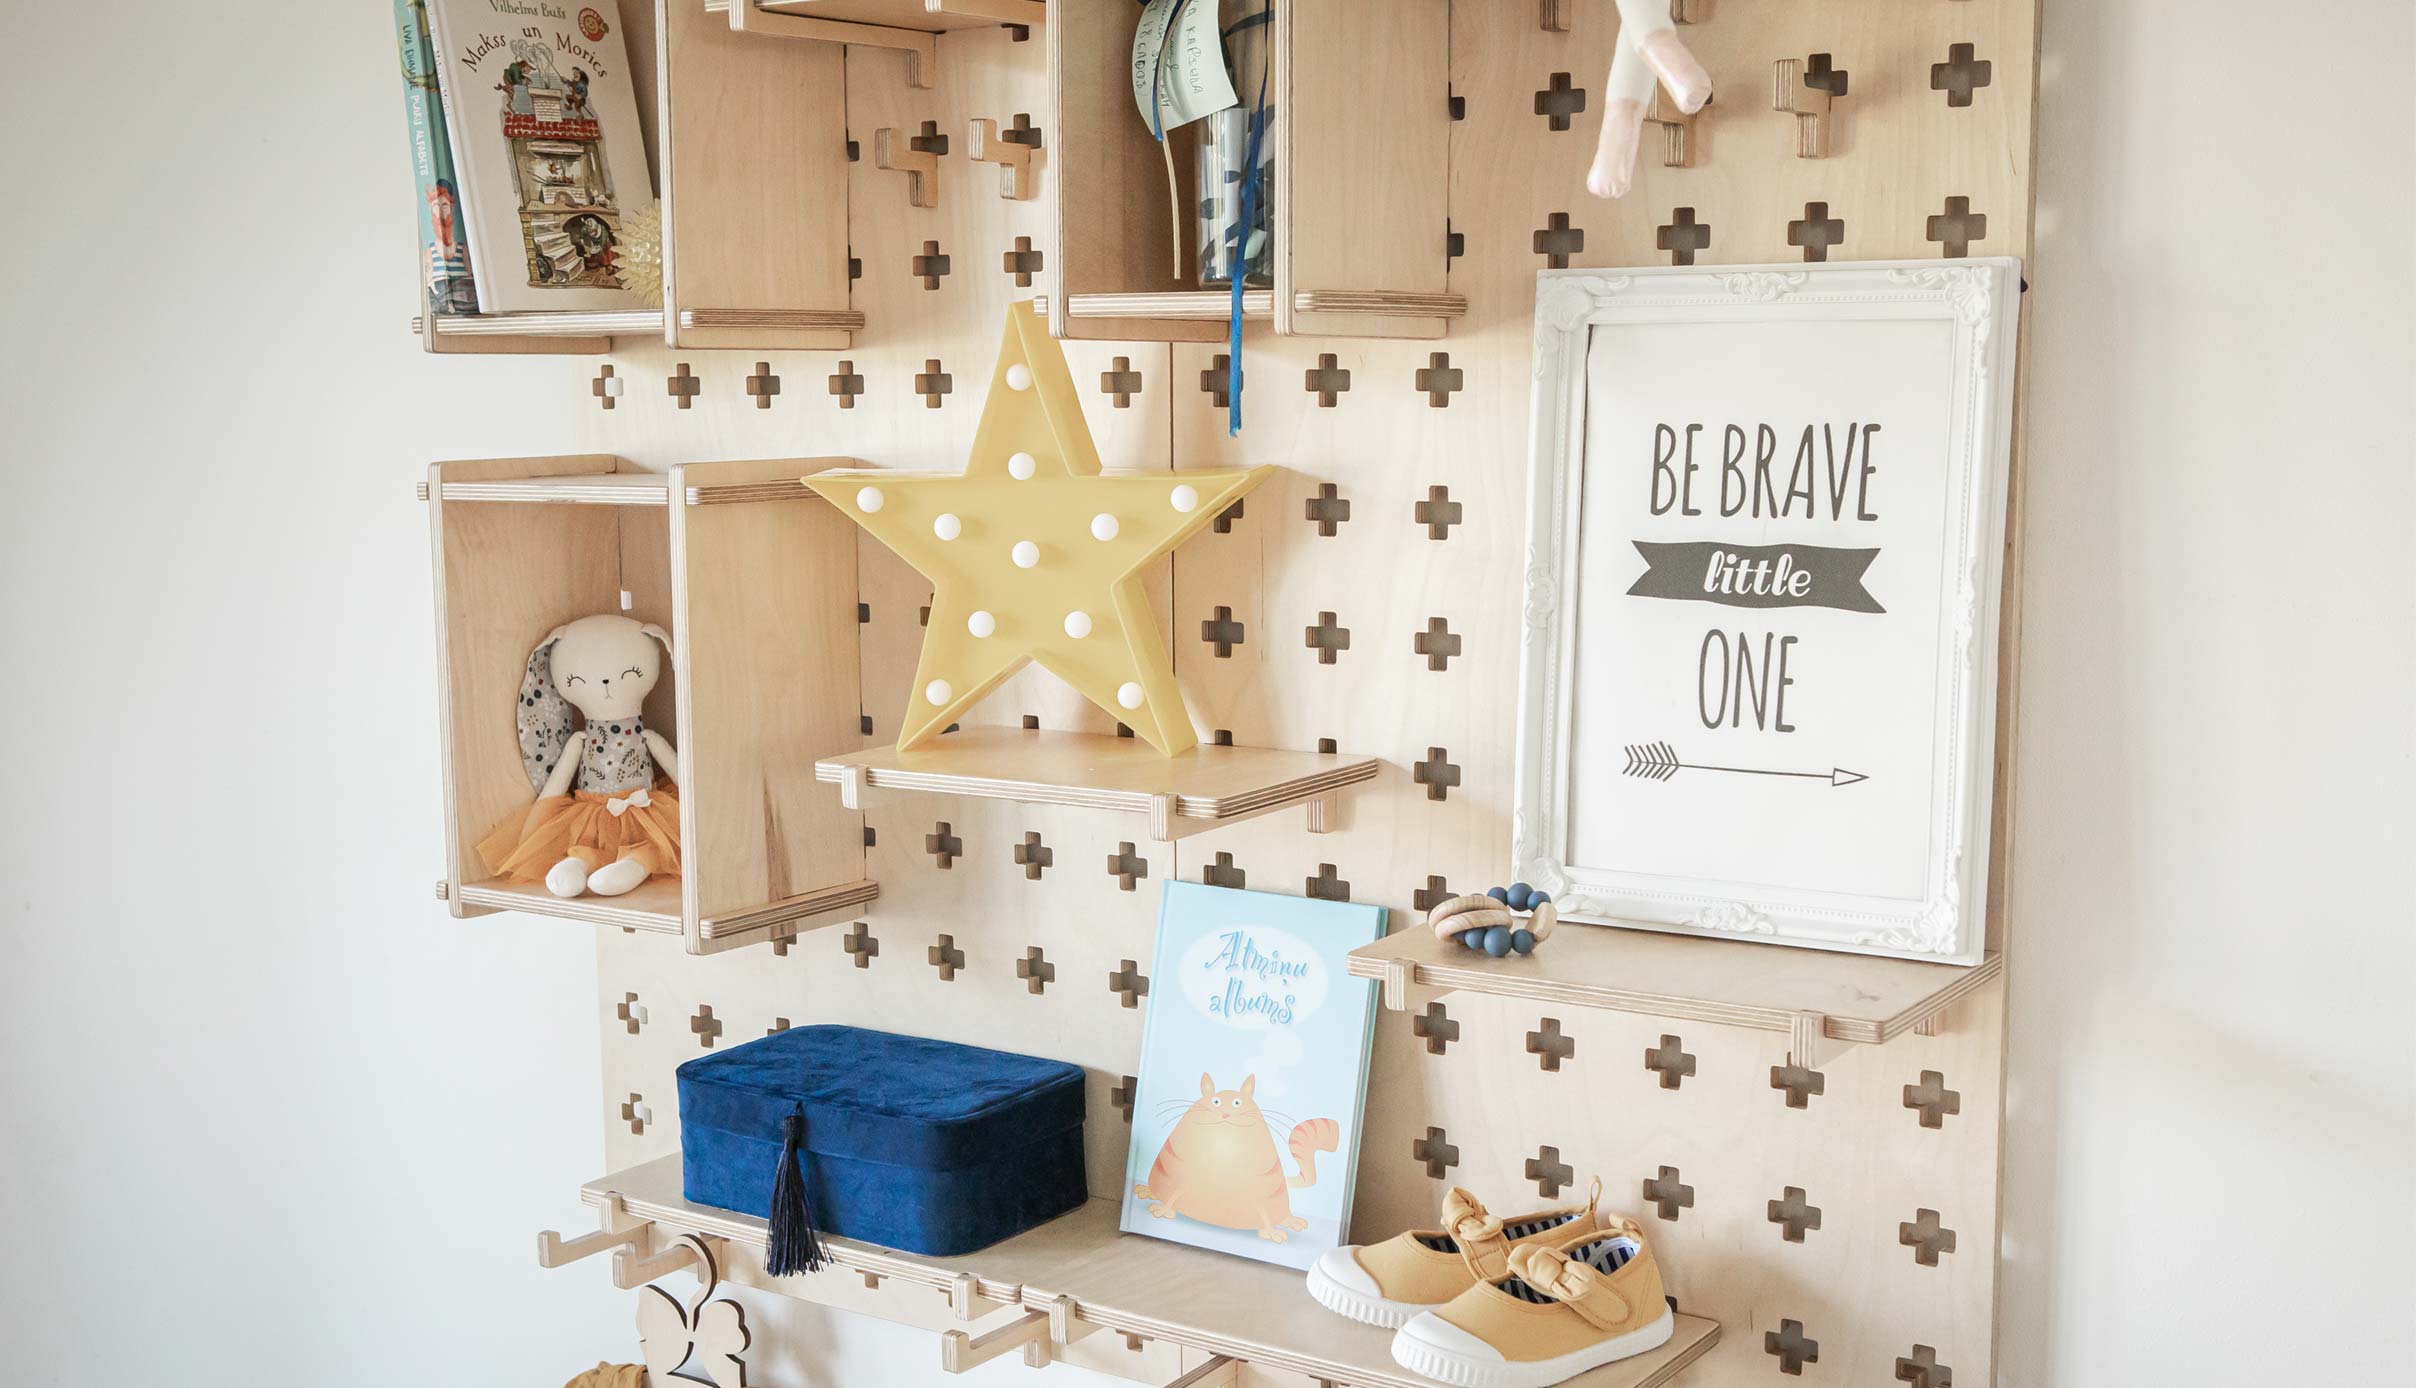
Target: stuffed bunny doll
<point>604,821</point>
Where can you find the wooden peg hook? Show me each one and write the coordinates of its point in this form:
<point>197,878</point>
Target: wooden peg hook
<point>1808,89</point>
<point>617,1228</point>
<point>1677,129</point>
<point>985,145</point>
<point>895,152</point>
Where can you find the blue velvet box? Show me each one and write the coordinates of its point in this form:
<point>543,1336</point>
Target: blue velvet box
<point>913,1144</point>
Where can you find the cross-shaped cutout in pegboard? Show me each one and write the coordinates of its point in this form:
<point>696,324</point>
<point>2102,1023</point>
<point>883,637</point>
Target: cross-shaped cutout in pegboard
<point>1126,866</point>
<point>945,957</point>
<point>1326,380</point>
<point>1120,383</point>
<point>1556,240</point>
<point>1922,1369</point>
<point>1435,1027</point>
<point>1327,639</point>
<point>1217,377</point>
<point>1799,1083</point>
<point>1222,632</point>
<point>606,387</point>
<point>1438,773</point>
<point>931,383</point>
<point>1122,1095</point>
<point>636,1112</point>
<point>1926,1237</point>
<point>1822,74</point>
<point>1326,885</point>
<point>931,266</point>
<point>1223,524</point>
<point>1035,970</point>
<point>846,384</point>
<point>683,386</point>
<point>928,140</point>
<point>943,845</point>
<point>859,945</point>
<point>1023,262</point>
<point>1222,873</point>
<point>1549,1046</point>
<point>1438,513</point>
<point>1790,1347</point>
<point>1792,1215</point>
<point>1437,643</point>
<point>704,1026</point>
<point>1816,231</point>
<point>1558,101</point>
<point>1667,1194</point>
<point>1328,510</point>
<point>1670,1061</point>
<point>1436,891</point>
<point>855,267</point>
<point>1550,1174</point>
<point>1034,857</point>
<point>1129,983</point>
<point>631,1012</point>
<point>1439,378</point>
<point>1932,1099</point>
<point>1682,236</point>
<point>1455,243</point>
<point>1957,227</point>
<point>1436,1151</point>
<point>1959,75</point>
<point>763,385</point>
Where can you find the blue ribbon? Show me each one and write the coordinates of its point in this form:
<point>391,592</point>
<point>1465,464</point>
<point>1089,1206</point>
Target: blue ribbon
<point>1241,232</point>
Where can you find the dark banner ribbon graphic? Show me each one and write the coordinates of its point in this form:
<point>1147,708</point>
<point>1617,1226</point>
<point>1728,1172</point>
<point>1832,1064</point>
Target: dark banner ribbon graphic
<point>1756,575</point>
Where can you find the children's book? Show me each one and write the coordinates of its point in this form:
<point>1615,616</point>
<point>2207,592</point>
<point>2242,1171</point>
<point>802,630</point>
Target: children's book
<point>444,254</point>
<point>543,118</point>
<point>1253,1072</point>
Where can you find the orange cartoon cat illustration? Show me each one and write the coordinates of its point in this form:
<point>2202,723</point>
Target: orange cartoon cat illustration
<point>1219,1165</point>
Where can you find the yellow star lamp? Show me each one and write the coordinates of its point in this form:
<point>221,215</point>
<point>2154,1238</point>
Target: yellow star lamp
<point>1034,554</point>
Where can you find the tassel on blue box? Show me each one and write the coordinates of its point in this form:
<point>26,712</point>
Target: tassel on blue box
<point>920,1145</point>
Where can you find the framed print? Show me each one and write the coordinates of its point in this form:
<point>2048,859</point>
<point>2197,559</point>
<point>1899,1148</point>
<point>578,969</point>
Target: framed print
<point>1765,528</point>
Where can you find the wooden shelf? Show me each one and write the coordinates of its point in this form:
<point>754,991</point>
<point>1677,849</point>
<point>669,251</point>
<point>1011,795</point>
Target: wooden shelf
<point>1361,181</point>
<point>1821,999</point>
<point>1199,790</point>
<point>755,579</point>
<point>1080,1273</point>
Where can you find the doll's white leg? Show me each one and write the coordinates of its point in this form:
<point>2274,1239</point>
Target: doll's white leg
<point>567,878</point>
<point>1629,88</point>
<point>620,875</point>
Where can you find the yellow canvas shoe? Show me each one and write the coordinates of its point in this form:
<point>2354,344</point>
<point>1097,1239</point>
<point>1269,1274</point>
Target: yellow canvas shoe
<point>1384,1284</point>
<point>1568,1304</point>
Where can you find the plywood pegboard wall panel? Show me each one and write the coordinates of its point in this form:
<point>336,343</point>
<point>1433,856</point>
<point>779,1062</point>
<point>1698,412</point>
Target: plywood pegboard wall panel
<point>1841,1225</point>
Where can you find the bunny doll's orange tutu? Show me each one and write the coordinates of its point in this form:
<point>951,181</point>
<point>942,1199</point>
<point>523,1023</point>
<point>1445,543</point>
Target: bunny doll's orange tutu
<point>582,825</point>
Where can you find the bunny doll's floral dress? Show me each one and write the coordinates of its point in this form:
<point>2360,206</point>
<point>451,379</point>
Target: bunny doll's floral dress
<point>619,809</point>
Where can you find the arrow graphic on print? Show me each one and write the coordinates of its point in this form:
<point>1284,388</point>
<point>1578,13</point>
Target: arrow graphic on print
<point>1658,761</point>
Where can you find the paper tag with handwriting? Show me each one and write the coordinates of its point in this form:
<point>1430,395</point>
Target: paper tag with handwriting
<point>1182,54</point>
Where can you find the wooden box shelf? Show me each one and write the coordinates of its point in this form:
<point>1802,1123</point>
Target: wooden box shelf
<point>756,579</point>
<point>1202,789</point>
<point>1078,1273</point>
<point>749,147</point>
<point>1822,1000</point>
<point>1362,120</point>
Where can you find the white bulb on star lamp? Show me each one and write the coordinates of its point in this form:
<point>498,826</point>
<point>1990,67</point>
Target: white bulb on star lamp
<point>982,625</point>
<point>1025,554</point>
<point>947,526</point>
<point>1129,694</point>
<point>938,692</point>
<point>869,499</point>
<point>1104,527</point>
<point>1185,498</point>
<point>1019,377</point>
<point>1077,624</point>
<point>1021,466</point>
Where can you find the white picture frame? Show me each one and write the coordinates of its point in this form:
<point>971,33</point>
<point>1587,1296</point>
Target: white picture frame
<point>1874,608</point>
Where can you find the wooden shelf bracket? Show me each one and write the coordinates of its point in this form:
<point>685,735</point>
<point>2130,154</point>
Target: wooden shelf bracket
<point>921,166</point>
<point>1009,1330</point>
<point>618,1228</point>
<point>983,145</point>
<point>754,17</point>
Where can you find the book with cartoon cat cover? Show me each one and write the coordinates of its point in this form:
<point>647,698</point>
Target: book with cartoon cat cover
<point>541,110</point>
<point>1246,1111</point>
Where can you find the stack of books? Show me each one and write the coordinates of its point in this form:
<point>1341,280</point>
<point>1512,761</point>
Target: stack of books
<point>526,144</point>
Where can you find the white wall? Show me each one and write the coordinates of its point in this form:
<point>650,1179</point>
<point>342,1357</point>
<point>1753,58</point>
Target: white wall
<point>2212,1135</point>
<point>228,1006</point>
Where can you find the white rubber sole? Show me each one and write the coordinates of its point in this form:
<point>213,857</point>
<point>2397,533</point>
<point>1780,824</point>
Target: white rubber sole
<point>1449,1365</point>
<point>1359,1306</point>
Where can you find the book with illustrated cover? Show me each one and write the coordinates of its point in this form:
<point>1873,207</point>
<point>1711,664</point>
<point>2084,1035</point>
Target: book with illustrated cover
<point>1246,1111</point>
<point>444,254</point>
<point>542,114</point>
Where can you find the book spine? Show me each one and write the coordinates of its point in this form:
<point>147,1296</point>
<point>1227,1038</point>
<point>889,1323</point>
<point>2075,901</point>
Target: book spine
<point>445,252</point>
